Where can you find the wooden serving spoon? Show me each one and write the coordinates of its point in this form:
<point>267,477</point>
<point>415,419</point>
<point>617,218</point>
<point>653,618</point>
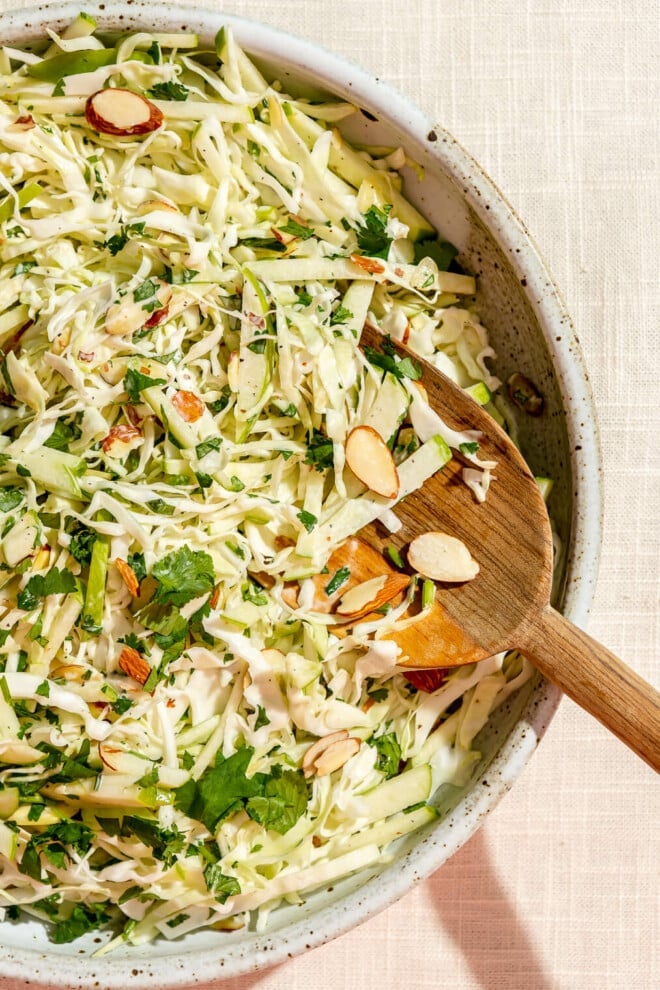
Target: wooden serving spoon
<point>507,605</point>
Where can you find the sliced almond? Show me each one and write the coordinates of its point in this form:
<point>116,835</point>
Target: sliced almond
<point>121,440</point>
<point>370,460</point>
<point>129,576</point>
<point>189,406</point>
<point>126,316</point>
<point>368,264</point>
<point>442,558</point>
<point>133,664</point>
<point>319,747</point>
<point>371,595</point>
<point>122,113</point>
<point>23,123</point>
<point>336,755</point>
<point>150,205</point>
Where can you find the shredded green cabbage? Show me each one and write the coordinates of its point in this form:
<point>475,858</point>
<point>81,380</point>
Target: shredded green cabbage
<point>180,314</point>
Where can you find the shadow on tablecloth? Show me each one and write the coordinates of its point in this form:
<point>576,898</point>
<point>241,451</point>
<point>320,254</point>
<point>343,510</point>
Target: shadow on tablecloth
<point>478,914</point>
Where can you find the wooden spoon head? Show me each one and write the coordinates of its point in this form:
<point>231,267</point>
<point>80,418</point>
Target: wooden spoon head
<point>508,535</point>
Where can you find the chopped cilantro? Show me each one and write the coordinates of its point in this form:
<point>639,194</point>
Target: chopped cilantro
<point>165,843</point>
<point>181,277</point>
<point>55,582</point>
<point>183,575</point>
<point>304,298</point>
<point>22,267</point>
<point>169,91</point>
<point>136,562</point>
<point>121,705</point>
<point>320,451</point>
<point>218,405</point>
<point>83,918</point>
<point>220,791</point>
<point>442,252</point>
<point>145,291</point>
<point>206,446</point>
<point>135,382</point>
<point>283,802</point>
<point>220,884</point>
<point>261,719</point>
<point>308,520</point>
<point>10,498</point>
<point>297,229</point>
<point>371,234</point>
<point>81,544</point>
<point>340,315</point>
<point>389,753</point>
<point>338,578</point>
<point>62,436</point>
<point>387,360</point>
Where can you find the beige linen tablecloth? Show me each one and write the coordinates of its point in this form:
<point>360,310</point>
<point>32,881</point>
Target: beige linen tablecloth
<point>558,100</point>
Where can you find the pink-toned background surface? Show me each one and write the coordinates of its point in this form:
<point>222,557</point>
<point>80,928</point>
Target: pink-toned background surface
<point>558,100</point>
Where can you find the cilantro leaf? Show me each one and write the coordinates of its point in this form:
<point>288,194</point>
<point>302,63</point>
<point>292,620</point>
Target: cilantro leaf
<point>55,582</point>
<point>9,498</point>
<point>371,235</point>
<point>338,578</point>
<point>220,791</point>
<point>183,575</point>
<point>206,446</point>
<point>117,242</point>
<point>220,884</point>
<point>283,802</point>
<point>389,753</point>
<point>442,252</point>
<point>320,451</point>
<point>179,278</point>
<point>297,229</point>
<point>145,290</point>
<point>308,520</point>
<point>340,315</point>
<point>165,842</point>
<point>135,382</point>
<point>62,435</point>
<point>22,267</point>
<point>83,918</point>
<point>387,360</point>
<point>169,91</point>
<point>136,562</point>
<point>261,719</point>
<point>81,544</point>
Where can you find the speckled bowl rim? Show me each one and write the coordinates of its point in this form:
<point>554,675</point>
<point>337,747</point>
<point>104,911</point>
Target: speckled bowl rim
<point>29,968</point>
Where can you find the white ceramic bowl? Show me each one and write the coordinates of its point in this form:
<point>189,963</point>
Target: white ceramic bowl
<point>531,332</point>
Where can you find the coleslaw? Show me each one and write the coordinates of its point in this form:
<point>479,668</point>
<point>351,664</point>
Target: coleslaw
<point>187,739</point>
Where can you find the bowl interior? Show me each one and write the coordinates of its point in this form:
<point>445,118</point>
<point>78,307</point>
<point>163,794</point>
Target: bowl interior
<point>531,333</point>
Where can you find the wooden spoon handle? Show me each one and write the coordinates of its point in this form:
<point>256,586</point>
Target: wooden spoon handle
<point>597,681</point>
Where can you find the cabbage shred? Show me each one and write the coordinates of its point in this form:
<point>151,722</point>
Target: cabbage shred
<point>180,316</point>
